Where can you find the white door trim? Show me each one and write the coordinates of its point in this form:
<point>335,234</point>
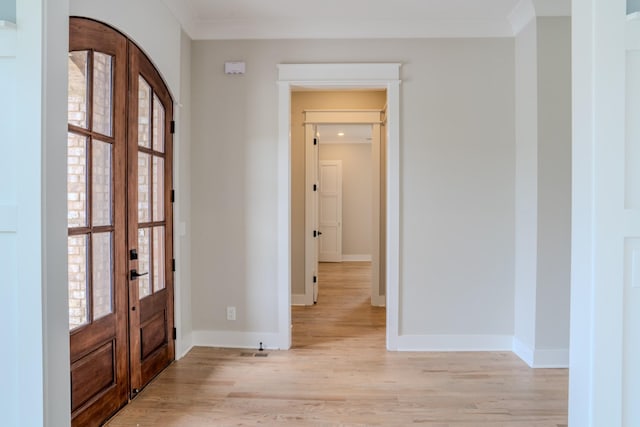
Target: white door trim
<point>338,76</point>
<point>312,118</point>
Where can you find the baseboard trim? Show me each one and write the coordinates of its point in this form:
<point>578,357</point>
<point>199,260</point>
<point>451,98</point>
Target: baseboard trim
<point>356,258</point>
<point>379,301</point>
<point>298,299</point>
<point>186,344</point>
<point>455,342</point>
<point>538,359</point>
<point>523,351</point>
<point>541,359</point>
<point>551,359</point>
<point>231,339</point>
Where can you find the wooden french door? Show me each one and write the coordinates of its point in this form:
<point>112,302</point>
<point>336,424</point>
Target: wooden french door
<point>119,221</point>
<point>150,236</point>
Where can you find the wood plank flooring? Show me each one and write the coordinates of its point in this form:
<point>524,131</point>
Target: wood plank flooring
<point>339,374</point>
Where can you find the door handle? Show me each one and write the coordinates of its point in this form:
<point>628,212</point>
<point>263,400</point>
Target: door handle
<point>133,274</point>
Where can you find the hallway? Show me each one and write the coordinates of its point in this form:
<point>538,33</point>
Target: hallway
<point>343,317</point>
<point>338,373</point>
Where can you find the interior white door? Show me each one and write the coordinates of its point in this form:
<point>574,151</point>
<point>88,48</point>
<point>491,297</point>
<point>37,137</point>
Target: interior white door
<point>316,223</point>
<point>330,211</point>
<point>311,214</point>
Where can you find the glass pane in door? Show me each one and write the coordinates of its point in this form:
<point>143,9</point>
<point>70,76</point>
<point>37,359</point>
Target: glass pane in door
<point>158,125</point>
<point>76,180</point>
<point>101,197</point>
<point>144,187</point>
<point>102,274</point>
<point>158,259</point>
<point>77,272</point>
<point>77,89</point>
<point>158,188</point>
<point>144,113</point>
<point>144,261</point>
<point>102,93</point>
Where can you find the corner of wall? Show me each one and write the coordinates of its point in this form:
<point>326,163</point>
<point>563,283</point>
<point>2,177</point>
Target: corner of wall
<point>521,15</point>
<point>523,351</point>
<point>541,358</point>
<point>184,346</point>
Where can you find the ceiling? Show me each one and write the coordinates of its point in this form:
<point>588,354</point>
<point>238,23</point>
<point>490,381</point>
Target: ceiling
<point>344,134</point>
<point>289,19</point>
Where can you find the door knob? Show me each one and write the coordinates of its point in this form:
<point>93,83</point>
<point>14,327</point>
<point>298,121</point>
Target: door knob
<point>133,275</point>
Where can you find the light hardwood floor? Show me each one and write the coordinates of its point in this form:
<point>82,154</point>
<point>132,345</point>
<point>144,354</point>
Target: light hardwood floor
<point>339,373</point>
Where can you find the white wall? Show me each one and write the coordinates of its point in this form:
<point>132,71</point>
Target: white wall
<point>8,237</point>
<point>543,188</point>
<point>554,188</point>
<point>356,194</point>
<point>457,207</point>
<point>35,358</point>
<point>54,211</point>
<point>526,52</point>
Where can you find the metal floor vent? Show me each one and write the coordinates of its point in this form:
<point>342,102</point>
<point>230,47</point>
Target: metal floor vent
<point>251,354</point>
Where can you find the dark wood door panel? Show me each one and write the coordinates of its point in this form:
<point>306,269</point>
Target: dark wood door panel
<point>152,305</point>
<point>93,375</point>
<point>155,363</point>
<point>153,334</point>
<point>87,339</point>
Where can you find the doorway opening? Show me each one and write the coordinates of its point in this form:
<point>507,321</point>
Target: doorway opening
<point>357,139</point>
<point>343,78</point>
<point>344,228</point>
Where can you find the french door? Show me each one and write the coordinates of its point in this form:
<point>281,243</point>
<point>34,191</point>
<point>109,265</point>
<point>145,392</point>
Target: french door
<point>150,231</point>
<point>119,169</point>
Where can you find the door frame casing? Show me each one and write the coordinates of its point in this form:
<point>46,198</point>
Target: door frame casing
<point>339,77</point>
<point>312,119</point>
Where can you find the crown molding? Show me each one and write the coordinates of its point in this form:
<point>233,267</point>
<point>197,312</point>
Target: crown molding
<point>345,29</point>
<point>348,28</point>
<point>552,7</point>
<point>521,16</point>
<point>528,10</point>
<point>184,14</point>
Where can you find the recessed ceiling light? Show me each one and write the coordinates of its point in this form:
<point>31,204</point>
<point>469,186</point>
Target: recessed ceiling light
<point>340,133</point>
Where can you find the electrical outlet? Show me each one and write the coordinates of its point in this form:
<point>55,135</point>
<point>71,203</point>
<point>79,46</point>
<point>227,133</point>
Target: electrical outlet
<point>231,313</point>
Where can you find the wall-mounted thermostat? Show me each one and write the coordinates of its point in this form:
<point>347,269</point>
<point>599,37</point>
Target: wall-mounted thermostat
<point>234,67</point>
